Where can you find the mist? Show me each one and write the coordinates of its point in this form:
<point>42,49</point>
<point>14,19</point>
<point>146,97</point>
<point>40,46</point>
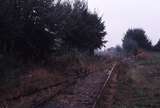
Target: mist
<point>119,15</point>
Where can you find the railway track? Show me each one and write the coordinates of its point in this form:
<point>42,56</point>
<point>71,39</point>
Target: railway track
<point>104,85</point>
<point>87,93</point>
<point>36,97</point>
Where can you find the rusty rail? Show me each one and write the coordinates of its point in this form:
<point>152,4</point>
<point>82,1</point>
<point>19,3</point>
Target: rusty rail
<point>104,85</point>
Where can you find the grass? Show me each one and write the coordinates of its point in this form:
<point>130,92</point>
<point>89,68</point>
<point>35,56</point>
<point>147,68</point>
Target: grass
<point>142,90</point>
<point>22,79</point>
<point>153,61</point>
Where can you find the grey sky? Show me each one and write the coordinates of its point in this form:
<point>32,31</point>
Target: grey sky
<point>120,15</point>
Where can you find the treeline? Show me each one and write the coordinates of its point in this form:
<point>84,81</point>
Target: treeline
<point>135,39</point>
<point>36,29</point>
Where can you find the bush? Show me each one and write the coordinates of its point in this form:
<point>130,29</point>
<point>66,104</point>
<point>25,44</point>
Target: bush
<point>135,39</point>
<point>38,28</point>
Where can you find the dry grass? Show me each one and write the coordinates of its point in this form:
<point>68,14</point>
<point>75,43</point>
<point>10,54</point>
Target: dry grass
<point>153,60</point>
<point>41,78</point>
<point>139,88</point>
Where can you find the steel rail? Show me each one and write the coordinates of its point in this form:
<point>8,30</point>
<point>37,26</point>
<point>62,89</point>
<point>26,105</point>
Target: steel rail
<point>104,85</point>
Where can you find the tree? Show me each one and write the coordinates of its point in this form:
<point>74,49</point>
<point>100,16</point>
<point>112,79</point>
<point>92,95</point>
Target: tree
<point>130,46</point>
<point>84,30</point>
<point>38,28</point>
<point>23,29</point>
<point>157,46</point>
<point>76,27</point>
<point>134,39</point>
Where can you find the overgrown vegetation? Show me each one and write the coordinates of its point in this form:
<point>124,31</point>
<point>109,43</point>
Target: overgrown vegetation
<point>36,29</point>
<point>45,42</point>
<point>43,82</point>
<point>41,33</point>
<point>139,86</point>
<point>135,39</point>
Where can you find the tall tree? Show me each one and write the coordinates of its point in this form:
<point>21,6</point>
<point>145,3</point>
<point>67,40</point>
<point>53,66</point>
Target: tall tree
<point>84,30</point>
<point>136,38</point>
<point>23,29</point>
<point>36,28</point>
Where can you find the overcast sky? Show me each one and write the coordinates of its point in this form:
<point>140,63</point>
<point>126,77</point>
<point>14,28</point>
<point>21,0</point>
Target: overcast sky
<point>120,15</point>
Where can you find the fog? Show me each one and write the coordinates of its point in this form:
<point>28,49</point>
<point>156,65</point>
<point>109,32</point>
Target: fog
<point>119,15</point>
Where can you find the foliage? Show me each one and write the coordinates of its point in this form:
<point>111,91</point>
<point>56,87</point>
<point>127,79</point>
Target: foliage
<point>22,29</point>
<point>130,46</point>
<point>157,46</point>
<point>84,30</point>
<point>119,48</point>
<point>37,28</point>
<point>134,39</point>
<point>119,51</point>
